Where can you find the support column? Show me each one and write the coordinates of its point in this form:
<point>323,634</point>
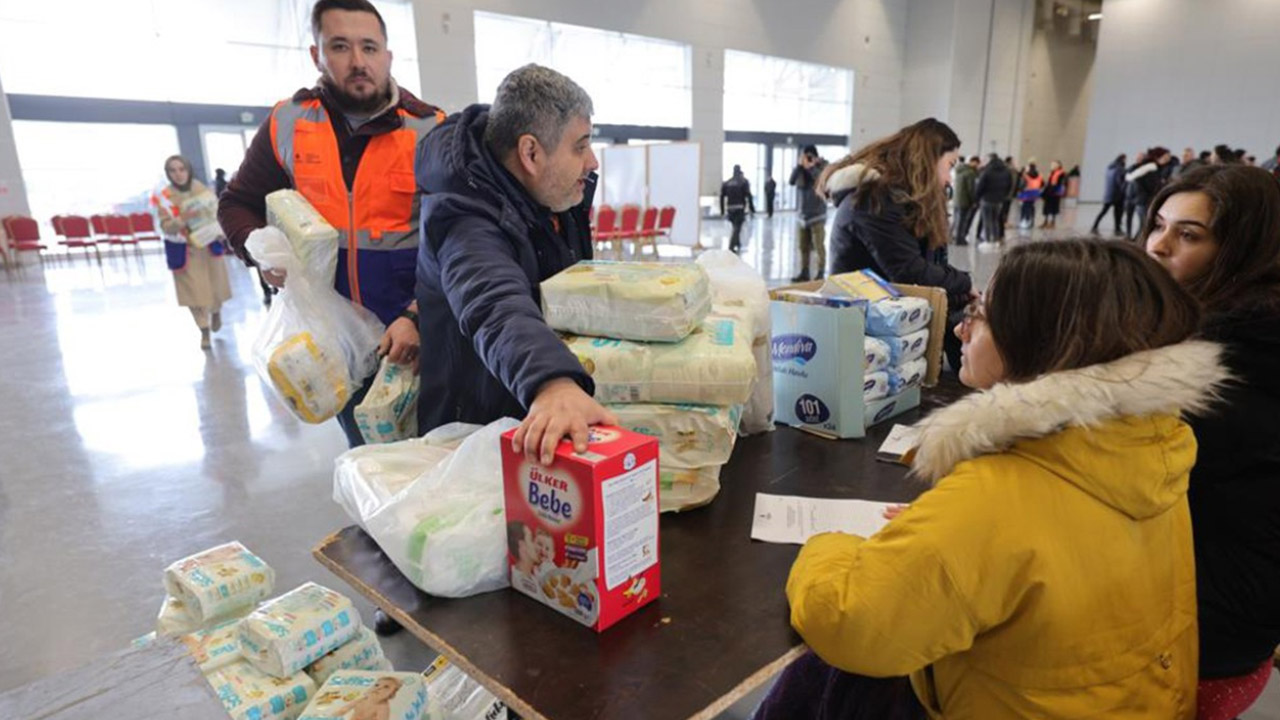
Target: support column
<point>13,191</point>
<point>707,78</point>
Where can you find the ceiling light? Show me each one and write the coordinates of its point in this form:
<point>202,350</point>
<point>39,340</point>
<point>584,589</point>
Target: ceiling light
<point>1095,16</point>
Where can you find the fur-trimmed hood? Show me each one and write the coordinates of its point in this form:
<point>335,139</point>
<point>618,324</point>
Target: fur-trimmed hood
<point>1173,380</point>
<point>848,178</point>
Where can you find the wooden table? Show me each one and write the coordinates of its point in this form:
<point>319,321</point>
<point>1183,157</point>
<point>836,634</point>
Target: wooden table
<point>719,630</point>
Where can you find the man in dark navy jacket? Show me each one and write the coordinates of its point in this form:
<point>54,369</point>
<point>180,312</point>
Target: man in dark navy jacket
<point>507,190</point>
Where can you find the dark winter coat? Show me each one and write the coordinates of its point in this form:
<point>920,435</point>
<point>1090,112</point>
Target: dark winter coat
<point>1114,189</point>
<point>995,183</point>
<point>486,247</point>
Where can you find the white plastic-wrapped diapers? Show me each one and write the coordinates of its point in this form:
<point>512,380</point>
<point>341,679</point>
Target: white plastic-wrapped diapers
<point>909,373</point>
<point>389,411</point>
<point>646,301</point>
<point>289,633</point>
<point>908,347</point>
<point>359,694</point>
<point>877,354</point>
<point>876,386</point>
<point>898,316</point>
<point>689,436</point>
<point>713,366</point>
<point>247,693</point>
<point>738,288</point>
<point>313,239</point>
<point>216,647</point>
<point>363,652</point>
<point>685,489</point>
<point>219,581</point>
<point>174,619</point>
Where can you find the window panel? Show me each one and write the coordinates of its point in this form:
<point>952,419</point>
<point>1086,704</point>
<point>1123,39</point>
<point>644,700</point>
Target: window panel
<point>771,94</point>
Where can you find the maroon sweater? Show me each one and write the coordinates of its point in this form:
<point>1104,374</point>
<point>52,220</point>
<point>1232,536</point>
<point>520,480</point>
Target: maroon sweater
<point>242,208</point>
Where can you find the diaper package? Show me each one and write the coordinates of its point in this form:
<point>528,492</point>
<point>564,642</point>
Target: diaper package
<point>174,619</point>
<point>898,316</point>
<point>738,290</point>
<point>363,652</point>
<point>313,239</point>
<point>907,347</point>
<point>689,436</point>
<point>247,693</point>
<point>452,695</point>
<point>389,411</point>
<point>289,633</point>
<point>215,647</point>
<point>909,373</point>
<point>877,354</point>
<point>685,489</point>
<point>645,301</point>
<point>876,385</point>
<point>714,366</point>
<point>310,376</point>
<point>865,284</point>
<point>359,694</point>
<point>219,581</point>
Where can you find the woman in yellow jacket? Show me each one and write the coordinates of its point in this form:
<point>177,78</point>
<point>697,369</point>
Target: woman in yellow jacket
<point>1048,573</point>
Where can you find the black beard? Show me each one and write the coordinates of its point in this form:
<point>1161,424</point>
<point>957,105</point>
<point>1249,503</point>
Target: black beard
<point>354,105</point>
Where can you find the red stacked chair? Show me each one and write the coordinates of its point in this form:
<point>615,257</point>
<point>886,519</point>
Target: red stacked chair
<point>606,229</point>
<point>666,220</point>
<point>144,227</point>
<point>629,226</point>
<point>113,230</point>
<point>24,235</point>
<point>75,232</point>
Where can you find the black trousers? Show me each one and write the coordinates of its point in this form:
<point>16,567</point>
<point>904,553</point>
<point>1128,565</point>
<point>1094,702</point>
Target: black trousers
<point>736,218</point>
<point>813,690</point>
<point>1116,209</point>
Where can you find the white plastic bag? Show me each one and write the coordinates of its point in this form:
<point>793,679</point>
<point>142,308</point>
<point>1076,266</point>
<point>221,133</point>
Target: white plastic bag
<point>446,531</point>
<point>389,411</point>
<point>735,284</point>
<point>315,347</point>
<point>313,239</point>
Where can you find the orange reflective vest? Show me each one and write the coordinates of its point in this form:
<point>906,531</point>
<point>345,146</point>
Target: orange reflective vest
<point>377,218</point>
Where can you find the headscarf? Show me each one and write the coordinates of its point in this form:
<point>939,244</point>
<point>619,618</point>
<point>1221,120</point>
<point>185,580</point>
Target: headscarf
<point>185,163</point>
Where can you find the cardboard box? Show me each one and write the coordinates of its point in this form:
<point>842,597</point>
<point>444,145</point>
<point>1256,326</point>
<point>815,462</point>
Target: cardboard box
<point>582,533</point>
<point>818,364</point>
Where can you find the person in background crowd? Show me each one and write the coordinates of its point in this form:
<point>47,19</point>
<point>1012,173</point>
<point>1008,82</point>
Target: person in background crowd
<point>891,212</point>
<point>1217,231</point>
<point>193,246</point>
<point>506,193</point>
<point>1112,194</point>
<point>1015,178</point>
<point>1131,195</point>
<point>219,181</point>
<point>1272,163</point>
<point>347,146</point>
<point>770,194</point>
<point>992,191</point>
<point>1224,155</point>
<point>1191,161</point>
<point>1055,187</point>
<point>735,202</point>
<point>969,590</point>
<point>964,201</point>
<point>1148,178</point>
<point>1030,187</point>
<point>1251,160</point>
<point>813,213</point>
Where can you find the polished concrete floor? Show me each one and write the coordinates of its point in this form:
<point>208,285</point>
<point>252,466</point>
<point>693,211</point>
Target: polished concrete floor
<point>123,446</point>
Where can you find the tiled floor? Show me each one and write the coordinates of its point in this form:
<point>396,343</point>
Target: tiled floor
<point>124,446</point>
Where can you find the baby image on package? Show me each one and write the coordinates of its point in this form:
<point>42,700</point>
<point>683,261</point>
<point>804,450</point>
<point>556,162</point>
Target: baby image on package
<point>217,582</point>
<point>296,629</point>
<point>568,585</point>
<point>362,695</point>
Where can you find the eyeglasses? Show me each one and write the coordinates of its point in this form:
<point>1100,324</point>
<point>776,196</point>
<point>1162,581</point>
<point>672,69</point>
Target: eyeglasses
<point>974,311</point>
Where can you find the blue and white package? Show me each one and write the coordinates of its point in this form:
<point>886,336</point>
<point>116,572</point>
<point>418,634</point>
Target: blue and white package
<point>876,385</point>
<point>909,373</point>
<point>877,354</point>
<point>908,347</point>
<point>898,316</point>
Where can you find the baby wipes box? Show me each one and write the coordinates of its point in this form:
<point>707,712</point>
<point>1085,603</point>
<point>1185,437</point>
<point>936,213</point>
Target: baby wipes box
<point>819,359</point>
<point>582,533</point>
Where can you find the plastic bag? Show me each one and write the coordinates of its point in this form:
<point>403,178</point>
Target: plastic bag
<point>685,489</point>
<point>689,436</point>
<point>389,411</point>
<point>315,347</point>
<point>447,530</point>
<point>877,354</point>
<point>643,301</point>
<point>312,238</point>
<point>453,695</point>
<point>735,284</point>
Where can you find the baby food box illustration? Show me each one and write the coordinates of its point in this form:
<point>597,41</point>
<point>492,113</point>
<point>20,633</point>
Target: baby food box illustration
<point>582,533</point>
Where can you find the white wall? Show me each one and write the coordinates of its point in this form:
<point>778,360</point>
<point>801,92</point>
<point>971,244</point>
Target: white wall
<point>1059,96</point>
<point>1183,73</point>
<point>868,36</point>
<point>13,191</point>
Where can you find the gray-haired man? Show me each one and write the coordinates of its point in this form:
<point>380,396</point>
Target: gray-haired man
<point>508,187</point>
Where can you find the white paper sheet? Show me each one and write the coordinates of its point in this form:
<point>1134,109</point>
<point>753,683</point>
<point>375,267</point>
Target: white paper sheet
<point>794,519</point>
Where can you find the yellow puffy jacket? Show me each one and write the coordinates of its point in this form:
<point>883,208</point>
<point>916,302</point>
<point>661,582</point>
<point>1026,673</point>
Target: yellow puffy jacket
<point>1049,572</point>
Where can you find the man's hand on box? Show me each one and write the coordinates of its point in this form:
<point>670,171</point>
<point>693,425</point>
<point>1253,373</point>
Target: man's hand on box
<point>400,343</point>
<point>560,408</point>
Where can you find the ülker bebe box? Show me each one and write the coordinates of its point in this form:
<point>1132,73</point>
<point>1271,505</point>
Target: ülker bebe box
<point>582,533</point>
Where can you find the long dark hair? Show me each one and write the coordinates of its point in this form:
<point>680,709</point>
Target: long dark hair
<point>908,165</point>
<point>1066,304</point>
<point>1246,226</point>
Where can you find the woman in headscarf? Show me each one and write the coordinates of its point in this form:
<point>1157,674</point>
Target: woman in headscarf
<point>193,245</point>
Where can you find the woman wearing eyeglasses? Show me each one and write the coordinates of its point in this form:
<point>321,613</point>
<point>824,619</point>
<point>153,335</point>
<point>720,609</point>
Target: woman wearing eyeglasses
<point>1048,573</point>
<point>1216,230</point>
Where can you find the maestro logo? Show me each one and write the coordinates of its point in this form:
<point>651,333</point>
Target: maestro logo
<point>885,412</point>
<point>812,411</point>
<point>798,348</point>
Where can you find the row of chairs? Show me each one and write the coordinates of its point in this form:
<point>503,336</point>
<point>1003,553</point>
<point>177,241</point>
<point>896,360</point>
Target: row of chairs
<point>86,233</point>
<point>641,227</point>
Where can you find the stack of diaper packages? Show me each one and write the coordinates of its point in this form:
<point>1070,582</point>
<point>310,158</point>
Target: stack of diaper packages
<point>264,661</point>
<point>663,360</point>
<point>897,337</point>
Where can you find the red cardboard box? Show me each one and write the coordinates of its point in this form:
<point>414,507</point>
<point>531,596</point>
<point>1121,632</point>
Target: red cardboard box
<point>582,534</point>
